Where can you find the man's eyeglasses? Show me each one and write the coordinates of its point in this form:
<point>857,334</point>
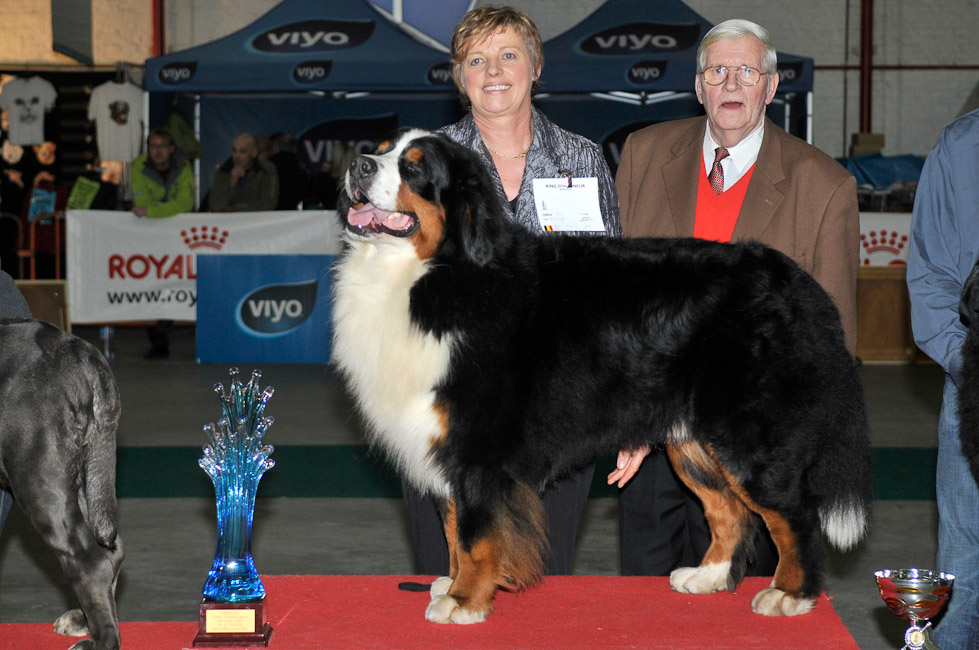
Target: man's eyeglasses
<point>745,75</point>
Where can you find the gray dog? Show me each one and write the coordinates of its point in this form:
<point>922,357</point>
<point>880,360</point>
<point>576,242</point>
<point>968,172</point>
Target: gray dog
<point>59,411</point>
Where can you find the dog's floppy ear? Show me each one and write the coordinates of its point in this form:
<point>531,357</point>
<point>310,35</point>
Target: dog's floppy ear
<point>472,206</point>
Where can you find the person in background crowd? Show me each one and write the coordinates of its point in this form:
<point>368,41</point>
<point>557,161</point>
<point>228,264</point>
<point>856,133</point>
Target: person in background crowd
<point>768,186</point>
<point>293,179</point>
<point>162,178</point>
<point>326,182</point>
<point>263,144</point>
<point>162,185</point>
<point>244,182</point>
<point>944,248</point>
<point>497,57</point>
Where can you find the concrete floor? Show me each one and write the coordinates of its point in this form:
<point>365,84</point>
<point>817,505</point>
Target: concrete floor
<point>170,542</point>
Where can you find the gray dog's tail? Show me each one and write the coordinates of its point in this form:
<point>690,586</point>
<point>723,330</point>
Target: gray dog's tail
<point>99,464</point>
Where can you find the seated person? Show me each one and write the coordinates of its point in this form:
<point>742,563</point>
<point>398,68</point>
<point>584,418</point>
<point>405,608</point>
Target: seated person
<point>244,182</point>
<point>162,179</point>
<point>293,179</point>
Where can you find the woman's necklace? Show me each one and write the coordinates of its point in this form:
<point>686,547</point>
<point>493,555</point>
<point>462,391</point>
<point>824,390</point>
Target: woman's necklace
<point>519,155</point>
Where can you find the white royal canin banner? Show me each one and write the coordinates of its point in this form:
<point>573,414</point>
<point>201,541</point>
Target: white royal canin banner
<point>884,238</point>
<point>124,268</point>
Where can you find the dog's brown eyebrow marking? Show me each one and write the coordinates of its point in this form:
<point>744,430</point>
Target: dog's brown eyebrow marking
<point>414,154</point>
<point>383,146</point>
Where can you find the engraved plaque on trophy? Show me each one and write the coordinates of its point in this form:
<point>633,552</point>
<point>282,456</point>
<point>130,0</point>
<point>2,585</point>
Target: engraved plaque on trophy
<point>233,610</point>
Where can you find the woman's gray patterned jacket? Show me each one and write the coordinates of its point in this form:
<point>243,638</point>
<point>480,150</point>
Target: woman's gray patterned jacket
<point>553,153</point>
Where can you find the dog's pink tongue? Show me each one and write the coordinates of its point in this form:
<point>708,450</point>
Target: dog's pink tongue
<point>368,213</point>
<point>365,214</point>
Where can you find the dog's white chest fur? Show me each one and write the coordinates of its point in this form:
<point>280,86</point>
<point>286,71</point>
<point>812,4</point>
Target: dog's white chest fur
<point>392,366</point>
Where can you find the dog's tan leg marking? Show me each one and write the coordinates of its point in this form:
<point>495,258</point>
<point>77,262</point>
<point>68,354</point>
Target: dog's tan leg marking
<point>441,585</point>
<point>726,515</point>
<point>783,597</point>
<point>470,597</point>
<point>510,555</point>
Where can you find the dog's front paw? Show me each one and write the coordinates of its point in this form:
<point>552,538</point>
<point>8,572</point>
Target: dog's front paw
<point>72,623</point>
<point>445,609</point>
<point>440,587</point>
<point>84,644</point>
<point>702,579</point>
<point>775,602</point>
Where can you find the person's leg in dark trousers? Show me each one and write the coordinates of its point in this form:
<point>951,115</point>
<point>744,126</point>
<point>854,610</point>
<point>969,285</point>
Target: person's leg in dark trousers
<point>563,503</point>
<point>428,546</point>
<point>654,511</point>
<point>159,335</point>
<point>6,500</point>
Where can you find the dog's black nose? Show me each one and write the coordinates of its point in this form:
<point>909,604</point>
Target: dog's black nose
<point>363,167</point>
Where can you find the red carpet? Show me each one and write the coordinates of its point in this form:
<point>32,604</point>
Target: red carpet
<point>369,612</point>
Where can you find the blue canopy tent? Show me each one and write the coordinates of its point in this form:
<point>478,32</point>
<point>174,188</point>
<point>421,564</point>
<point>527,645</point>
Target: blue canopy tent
<point>642,48</point>
<point>305,68</point>
<point>302,46</point>
<point>340,70</point>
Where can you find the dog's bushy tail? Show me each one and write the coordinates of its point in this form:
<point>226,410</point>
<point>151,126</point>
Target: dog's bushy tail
<point>99,456</point>
<point>844,476</point>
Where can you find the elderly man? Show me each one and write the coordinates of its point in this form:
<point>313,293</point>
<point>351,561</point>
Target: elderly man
<point>727,176</point>
<point>244,182</point>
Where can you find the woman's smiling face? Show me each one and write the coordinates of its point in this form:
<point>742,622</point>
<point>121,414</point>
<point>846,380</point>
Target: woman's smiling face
<point>497,75</point>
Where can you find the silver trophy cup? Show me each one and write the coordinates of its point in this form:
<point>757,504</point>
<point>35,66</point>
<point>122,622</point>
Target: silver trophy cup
<point>916,595</point>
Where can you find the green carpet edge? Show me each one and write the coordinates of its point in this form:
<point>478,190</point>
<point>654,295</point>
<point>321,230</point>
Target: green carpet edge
<point>357,471</point>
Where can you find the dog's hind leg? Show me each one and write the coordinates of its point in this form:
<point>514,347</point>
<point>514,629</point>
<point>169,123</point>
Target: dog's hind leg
<point>498,544</point>
<point>801,558</point>
<point>90,568</point>
<point>724,564</point>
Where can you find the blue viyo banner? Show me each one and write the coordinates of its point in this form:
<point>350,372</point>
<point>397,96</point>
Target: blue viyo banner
<point>264,308</point>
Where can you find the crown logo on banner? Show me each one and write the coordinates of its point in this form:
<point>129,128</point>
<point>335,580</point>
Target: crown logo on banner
<point>885,245</point>
<point>204,236</point>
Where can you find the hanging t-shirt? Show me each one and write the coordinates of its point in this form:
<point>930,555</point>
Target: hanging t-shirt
<point>117,109</point>
<point>26,101</point>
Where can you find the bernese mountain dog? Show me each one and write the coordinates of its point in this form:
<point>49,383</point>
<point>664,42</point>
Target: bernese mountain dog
<point>489,361</point>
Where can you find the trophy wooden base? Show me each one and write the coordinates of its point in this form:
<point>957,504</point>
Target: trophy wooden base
<point>232,624</point>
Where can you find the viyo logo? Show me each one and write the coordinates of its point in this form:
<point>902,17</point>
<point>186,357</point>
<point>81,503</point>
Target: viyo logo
<point>177,72</point>
<point>311,72</point>
<point>647,72</point>
<point>276,309</point>
<point>638,38</point>
<point>314,36</point>
<point>440,75</point>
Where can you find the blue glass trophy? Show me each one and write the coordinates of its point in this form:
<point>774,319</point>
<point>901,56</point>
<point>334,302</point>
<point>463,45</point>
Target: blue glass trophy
<point>235,457</point>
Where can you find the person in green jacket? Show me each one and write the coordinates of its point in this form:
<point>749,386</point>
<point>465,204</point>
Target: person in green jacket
<point>163,185</point>
<point>162,179</point>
